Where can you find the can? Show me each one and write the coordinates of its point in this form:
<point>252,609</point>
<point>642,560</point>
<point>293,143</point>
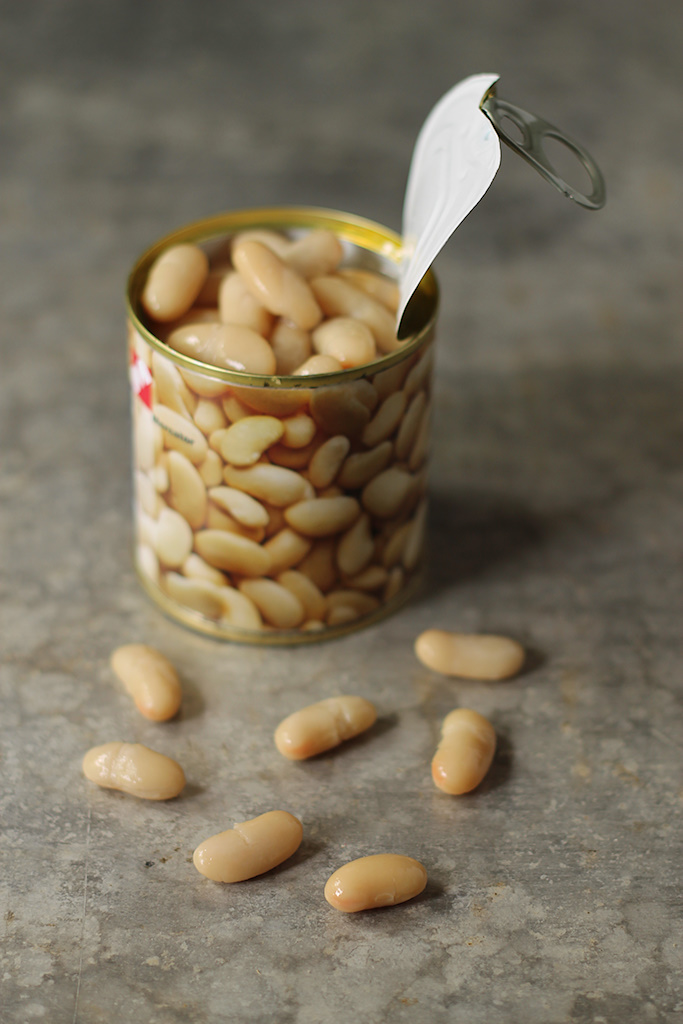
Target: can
<point>252,554</point>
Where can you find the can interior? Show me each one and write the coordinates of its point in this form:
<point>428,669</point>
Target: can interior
<point>367,245</point>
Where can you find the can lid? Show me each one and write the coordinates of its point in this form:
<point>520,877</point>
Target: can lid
<point>455,159</point>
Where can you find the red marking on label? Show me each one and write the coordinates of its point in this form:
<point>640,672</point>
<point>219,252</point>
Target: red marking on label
<point>141,379</point>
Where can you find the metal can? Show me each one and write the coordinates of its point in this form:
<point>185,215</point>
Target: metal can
<point>281,564</point>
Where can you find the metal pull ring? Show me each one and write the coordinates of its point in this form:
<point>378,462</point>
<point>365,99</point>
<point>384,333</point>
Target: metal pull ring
<point>534,130</point>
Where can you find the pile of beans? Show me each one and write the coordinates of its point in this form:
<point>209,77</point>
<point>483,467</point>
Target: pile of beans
<point>279,509</point>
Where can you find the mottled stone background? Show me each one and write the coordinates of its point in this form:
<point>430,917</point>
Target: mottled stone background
<point>554,890</point>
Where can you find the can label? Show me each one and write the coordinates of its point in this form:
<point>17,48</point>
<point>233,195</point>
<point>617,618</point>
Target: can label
<point>300,539</point>
<point>140,379</point>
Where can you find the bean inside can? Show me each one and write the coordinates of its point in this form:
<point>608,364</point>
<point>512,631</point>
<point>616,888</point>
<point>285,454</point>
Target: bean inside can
<point>280,429</point>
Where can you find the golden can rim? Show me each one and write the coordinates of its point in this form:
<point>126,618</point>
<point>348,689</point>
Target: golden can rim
<point>366,234</point>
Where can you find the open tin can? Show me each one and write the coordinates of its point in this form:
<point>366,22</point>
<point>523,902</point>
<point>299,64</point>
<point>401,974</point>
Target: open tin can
<point>286,563</point>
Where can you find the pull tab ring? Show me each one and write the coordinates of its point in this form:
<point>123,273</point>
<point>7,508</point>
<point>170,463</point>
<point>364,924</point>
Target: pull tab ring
<point>534,130</point>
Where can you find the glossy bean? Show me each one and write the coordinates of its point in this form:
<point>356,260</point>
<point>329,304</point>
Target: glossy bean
<point>273,484</point>
<point>465,753</point>
<point>187,490</point>
<point>318,364</point>
<point>150,679</point>
<point>327,460</point>
<point>376,285</point>
<point>380,880</point>
<point>201,595</point>
<point>180,434</point>
<point>356,547</point>
<point>338,297</point>
<point>291,346</point>
<point>175,279</point>
<point>323,725</point>
<point>299,431</point>
<point>310,596</point>
<point>286,549</point>
<point>277,604</point>
<point>243,443</point>
<point>361,467</point>
<point>315,253</point>
<point>275,285</point>
<point>237,305</point>
<point>249,848</point>
<point>469,656</point>
<point>232,552</point>
<point>172,538</point>
<point>385,420</point>
<point>323,517</point>
<point>410,423</point>
<point>209,416</point>
<point>386,493</point>
<point>231,346</point>
<point>240,505</point>
<point>134,769</point>
<point>349,341</point>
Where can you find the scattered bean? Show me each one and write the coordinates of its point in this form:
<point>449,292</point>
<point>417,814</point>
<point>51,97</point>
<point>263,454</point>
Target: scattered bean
<point>228,345</point>
<point>381,880</point>
<point>134,769</point>
<point>249,848</point>
<point>469,656</point>
<point>322,726</point>
<point>150,679</point>
<point>465,753</point>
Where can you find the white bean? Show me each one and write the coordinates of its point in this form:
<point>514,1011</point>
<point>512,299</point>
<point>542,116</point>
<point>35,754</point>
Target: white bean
<point>273,484</point>
<point>380,880</point>
<point>465,753</point>
<point>361,467</point>
<point>249,848</point>
<point>243,443</point>
<point>276,286</point>
<point>385,420</point>
<point>327,460</point>
<point>150,679</point>
<point>232,552</point>
<point>356,547</point>
<point>134,769</point>
<point>385,494</point>
<point>470,656</point>
<point>175,279</point>
<point>237,305</point>
<point>225,345</point>
<point>180,434</point>
<point>278,605</point>
<point>349,341</point>
<point>240,505</point>
<point>187,489</point>
<point>323,517</point>
<point>172,538</point>
<point>324,725</point>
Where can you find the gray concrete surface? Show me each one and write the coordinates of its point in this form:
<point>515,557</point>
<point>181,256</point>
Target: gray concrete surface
<point>554,890</point>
